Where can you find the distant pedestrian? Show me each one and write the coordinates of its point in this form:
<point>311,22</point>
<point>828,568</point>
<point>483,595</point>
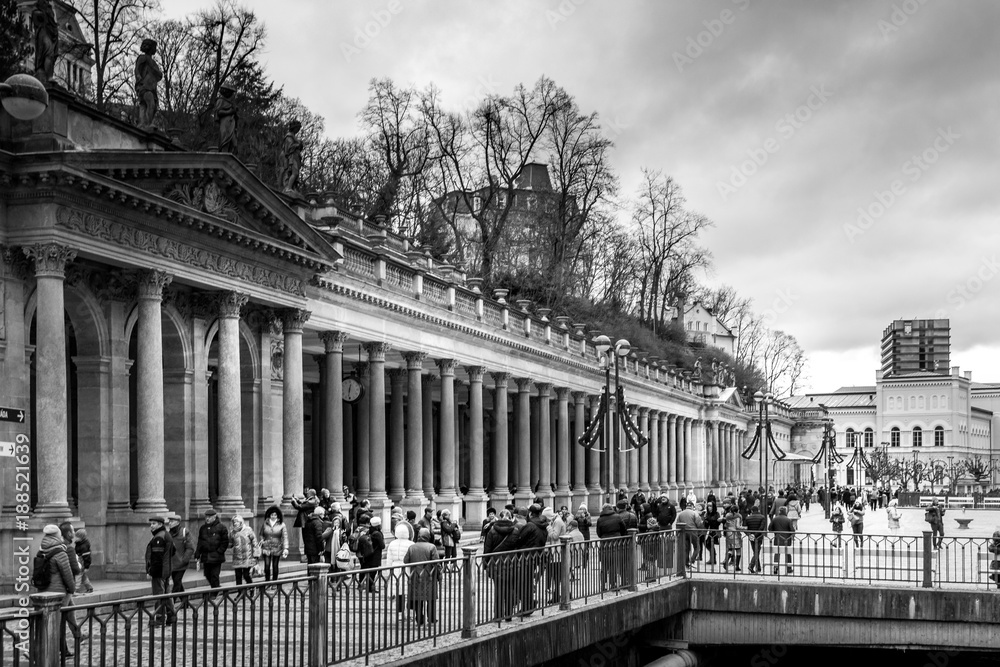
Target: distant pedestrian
<point>858,520</point>
<point>894,515</point>
<point>837,522</point>
<point>784,535</point>
<point>159,553</point>
<point>425,575</point>
<point>82,549</point>
<point>69,539</point>
<point>499,567</point>
<point>213,540</point>
<point>934,515</point>
<point>273,541</point>
<point>755,526</point>
<point>183,552</point>
<point>993,546</point>
<point>451,534</point>
<point>395,554</point>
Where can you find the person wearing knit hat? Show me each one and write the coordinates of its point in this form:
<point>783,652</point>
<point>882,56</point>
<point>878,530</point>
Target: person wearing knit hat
<point>210,553</point>
<point>584,521</point>
<point>159,554</point>
<point>61,579</point>
<point>51,529</point>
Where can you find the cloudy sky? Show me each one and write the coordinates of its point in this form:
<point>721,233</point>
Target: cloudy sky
<point>847,152</point>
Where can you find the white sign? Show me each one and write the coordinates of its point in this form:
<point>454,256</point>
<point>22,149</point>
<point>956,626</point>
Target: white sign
<point>6,449</point>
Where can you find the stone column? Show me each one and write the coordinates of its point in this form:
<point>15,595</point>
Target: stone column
<point>580,453</point>
<point>448,498</point>
<point>376,430</point>
<point>634,457</point>
<point>397,484</point>
<point>545,441</point>
<point>427,407</point>
<point>671,457</point>
<point>50,378</point>
<point>595,485</point>
<point>714,448</point>
<point>149,393</point>
<point>476,499</point>
<point>292,409</point>
<point>230,439</point>
<point>414,498</point>
<point>500,494</point>
<point>654,452</point>
<point>685,454</point>
<point>563,496</point>
<point>333,413</point>
<point>362,431</point>
<point>643,453</point>
<point>523,494</point>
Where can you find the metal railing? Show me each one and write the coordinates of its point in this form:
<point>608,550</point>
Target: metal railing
<point>326,618</point>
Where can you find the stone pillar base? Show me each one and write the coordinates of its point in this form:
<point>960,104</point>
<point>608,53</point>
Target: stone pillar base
<point>151,506</point>
<point>451,502</point>
<point>414,501</point>
<point>53,511</point>
<point>382,508</point>
<point>579,496</point>
<point>523,497</point>
<point>475,507</point>
<point>500,499</point>
<point>196,511</point>
<point>563,496</point>
<point>595,498</point>
<point>229,507</point>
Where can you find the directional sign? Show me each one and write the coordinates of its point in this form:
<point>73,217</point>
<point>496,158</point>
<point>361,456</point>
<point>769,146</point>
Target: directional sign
<point>12,415</point>
<point>6,449</point>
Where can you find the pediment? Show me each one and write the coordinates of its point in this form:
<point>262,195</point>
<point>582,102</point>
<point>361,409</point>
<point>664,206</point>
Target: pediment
<point>730,396</point>
<point>216,187</point>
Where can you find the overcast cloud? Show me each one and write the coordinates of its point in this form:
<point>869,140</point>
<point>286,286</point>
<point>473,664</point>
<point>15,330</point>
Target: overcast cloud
<point>779,119</point>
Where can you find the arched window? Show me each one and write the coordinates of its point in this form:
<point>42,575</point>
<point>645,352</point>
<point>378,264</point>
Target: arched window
<point>849,438</point>
<point>939,436</point>
<point>918,436</point>
<point>944,402</point>
<point>869,437</point>
<point>892,403</point>
<point>934,402</point>
<point>920,402</point>
<point>894,436</point>
<point>913,402</point>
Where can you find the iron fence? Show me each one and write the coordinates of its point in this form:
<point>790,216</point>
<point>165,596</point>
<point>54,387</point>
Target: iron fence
<point>17,636</point>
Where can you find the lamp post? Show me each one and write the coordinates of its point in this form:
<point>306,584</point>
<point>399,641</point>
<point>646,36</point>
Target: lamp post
<point>23,97</point>
<point>829,456</point>
<point>916,470</point>
<point>858,461</point>
<point>764,440</point>
<point>951,474</point>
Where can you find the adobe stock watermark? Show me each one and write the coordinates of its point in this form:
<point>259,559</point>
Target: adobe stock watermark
<point>365,34</point>
<point>965,291</point>
<point>786,126</point>
<point>562,12</point>
<point>913,169</point>
<point>697,44</point>
<point>486,86</point>
<point>899,16</point>
<point>782,303</point>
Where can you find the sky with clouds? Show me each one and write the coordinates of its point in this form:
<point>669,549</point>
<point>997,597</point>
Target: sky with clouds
<point>847,152</point>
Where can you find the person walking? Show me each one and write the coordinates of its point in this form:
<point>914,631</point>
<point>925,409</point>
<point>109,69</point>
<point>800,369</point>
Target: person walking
<point>894,515</point>
<point>159,554</point>
<point>533,536</point>
<point>424,578</point>
<point>794,510</point>
<point>858,520</point>
<point>246,550</point>
<point>690,526</point>
<point>60,578</point>
<point>934,515</point>
<point>213,540</point>
<point>183,544</point>
<point>733,525</point>
<point>502,537</point>
<point>610,525</point>
<point>82,549</point>
<point>713,521</point>
<point>273,541</point>
<point>755,525</point>
<point>784,536</point>
<point>373,559</point>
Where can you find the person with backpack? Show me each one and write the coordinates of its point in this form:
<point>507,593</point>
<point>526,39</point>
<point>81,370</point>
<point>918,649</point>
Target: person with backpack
<point>374,558</point>
<point>51,573</point>
<point>159,552</point>
<point>183,552</point>
<point>213,540</point>
<point>273,541</point>
<point>82,550</point>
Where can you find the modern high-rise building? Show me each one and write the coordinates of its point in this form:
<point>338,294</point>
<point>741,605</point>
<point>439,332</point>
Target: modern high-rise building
<point>916,346</point>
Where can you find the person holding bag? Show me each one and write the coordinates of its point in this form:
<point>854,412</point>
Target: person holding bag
<point>273,541</point>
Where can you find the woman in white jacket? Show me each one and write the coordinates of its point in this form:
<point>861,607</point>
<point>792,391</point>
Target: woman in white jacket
<point>395,553</point>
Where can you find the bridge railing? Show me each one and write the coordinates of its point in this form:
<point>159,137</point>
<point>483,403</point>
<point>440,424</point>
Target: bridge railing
<point>18,633</point>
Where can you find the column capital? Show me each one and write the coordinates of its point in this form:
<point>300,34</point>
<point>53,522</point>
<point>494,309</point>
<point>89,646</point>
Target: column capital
<point>500,379</point>
<point>579,396</point>
<point>397,376</point>
<point>229,304</point>
<point>562,393</point>
<point>414,360</point>
<point>544,389</point>
<point>671,418</point>
<point>50,258</point>
<point>333,341</point>
<point>13,263</point>
<point>293,319</point>
<point>643,412</point>
<point>447,367</point>
<point>151,284</point>
<point>361,369</point>
<point>476,373</point>
<point>320,360</point>
<point>524,384</point>
<point>653,413</point>
<point>428,380</point>
<point>376,350</point>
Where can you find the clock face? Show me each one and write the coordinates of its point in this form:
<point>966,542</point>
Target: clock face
<point>352,389</point>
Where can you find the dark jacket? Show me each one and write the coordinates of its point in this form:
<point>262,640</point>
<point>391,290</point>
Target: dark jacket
<point>755,524</point>
<point>534,534</point>
<point>781,526</point>
<point>584,522</point>
<point>629,519</point>
<point>183,548</point>
<point>610,524</point>
<point>666,514</point>
<point>83,549</point>
<point>159,552</point>
<point>503,536</point>
<point>61,579</point>
<point>305,508</point>
<point>213,540</point>
<point>374,559</point>
<point>313,535</point>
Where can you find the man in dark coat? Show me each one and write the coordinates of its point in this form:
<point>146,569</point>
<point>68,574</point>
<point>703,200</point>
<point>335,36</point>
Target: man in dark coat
<point>784,534</point>
<point>612,555</point>
<point>213,540</point>
<point>374,557</point>
<point>666,513</point>
<point>533,535</point>
<point>502,537</point>
<point>755,524</point>
<point>628,517</point>
<point>183,552</point>
<point>159,552</point>
<point>314,535</point>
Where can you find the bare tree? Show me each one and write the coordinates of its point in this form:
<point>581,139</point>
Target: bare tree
<point>115,29</point>
<point>229,37</point>
<point>782,362</point>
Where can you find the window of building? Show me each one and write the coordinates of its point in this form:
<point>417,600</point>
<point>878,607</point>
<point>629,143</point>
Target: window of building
<point>918,436</point>
<point>939,436</point>
<point>934,402</point>
<point>869,437</point>
<point>892,403</point>
<point>913,402</point>
<point>894,436</point>
<point>849,437</point>
<point>920,403</point>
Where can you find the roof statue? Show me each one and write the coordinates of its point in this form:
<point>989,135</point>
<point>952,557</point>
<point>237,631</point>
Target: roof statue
<point>43,19</point>
<point>290,159</point>
<point>227,116</point>
<point>147,77</point>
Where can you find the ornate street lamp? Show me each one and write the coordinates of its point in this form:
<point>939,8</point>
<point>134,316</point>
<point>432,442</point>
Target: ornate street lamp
<point>596,433</point>
<point>763,440</point>
<point>829,455</point>
<point>860,460</point>
<point>24,97</point>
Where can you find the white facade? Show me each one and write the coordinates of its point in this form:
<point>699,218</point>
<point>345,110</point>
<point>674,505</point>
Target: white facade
<point>703,327</point>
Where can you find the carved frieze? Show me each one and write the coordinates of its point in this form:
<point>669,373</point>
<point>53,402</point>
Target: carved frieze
<point>204,195</point>
<point>136,239</point>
